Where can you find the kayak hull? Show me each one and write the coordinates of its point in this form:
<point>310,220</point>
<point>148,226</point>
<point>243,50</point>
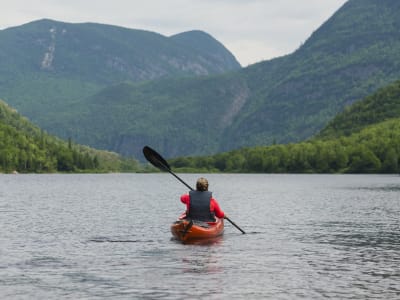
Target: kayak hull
<point>185,230</point>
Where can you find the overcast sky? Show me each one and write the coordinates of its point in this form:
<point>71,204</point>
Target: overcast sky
<point>253,30</point>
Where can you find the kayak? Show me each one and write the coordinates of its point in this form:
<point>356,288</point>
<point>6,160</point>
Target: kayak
<point>186,230</point>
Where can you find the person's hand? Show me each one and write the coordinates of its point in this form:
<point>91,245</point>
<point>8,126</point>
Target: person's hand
<point>225,216</point>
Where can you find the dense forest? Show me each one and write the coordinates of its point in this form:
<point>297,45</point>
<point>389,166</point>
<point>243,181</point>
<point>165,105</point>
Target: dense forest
<point>380,106</point>
<point>365,138</point>
<point>26,148</point>
<point>287,99</point>
<point>375,149</point>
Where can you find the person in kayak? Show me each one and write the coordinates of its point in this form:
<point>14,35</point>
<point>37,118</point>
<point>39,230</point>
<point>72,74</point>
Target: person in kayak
<point>200,205</point>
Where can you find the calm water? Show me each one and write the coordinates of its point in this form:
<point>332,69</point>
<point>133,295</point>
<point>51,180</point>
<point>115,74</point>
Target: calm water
<point>107,236</point>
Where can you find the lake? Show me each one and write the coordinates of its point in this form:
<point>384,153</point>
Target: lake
<point>107,236</point>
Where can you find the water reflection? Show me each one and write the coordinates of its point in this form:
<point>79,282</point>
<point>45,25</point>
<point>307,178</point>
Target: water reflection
<point>202,242</point>
<point>202,256</point>
<point>201,265</point>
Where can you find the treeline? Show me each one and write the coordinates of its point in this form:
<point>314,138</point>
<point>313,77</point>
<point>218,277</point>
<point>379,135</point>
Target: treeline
<point>26,148</point>
<point>25,153</point>
<point>375,149</point>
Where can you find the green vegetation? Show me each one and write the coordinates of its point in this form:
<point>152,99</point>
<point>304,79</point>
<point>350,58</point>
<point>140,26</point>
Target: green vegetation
<point>26,148</point>
<point>293,97</point>
<point>127,116</point>
<point>382,105</point>
<point>375,149</point>
<point>46,64</point>
<point>119,89</point>
<point>285,100</point>
<point>365,138</point>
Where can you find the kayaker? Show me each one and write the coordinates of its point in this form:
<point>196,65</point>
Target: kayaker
<point>200,205</point>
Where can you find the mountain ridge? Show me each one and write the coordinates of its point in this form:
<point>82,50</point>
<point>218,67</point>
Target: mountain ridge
<point>323,75</point>
<point>48,62</point>
<point>283,100</point>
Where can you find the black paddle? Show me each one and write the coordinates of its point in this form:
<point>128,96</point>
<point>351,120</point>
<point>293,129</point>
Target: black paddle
<point>159,162</point>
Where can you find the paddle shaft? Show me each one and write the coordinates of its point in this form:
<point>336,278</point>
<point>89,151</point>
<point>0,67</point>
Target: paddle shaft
<point>233,223</point>
<point>176,176</point>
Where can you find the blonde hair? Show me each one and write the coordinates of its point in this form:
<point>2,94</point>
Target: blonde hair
<point>202,184</point>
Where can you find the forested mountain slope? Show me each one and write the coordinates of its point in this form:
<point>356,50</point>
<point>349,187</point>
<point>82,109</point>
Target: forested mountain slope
<point>26,148</point>
<point>365,138</point>
<point>165,113</point>
<point>283,100</point>
<point>47,63</point>
<point>352,54</point>
<point>381,106</point>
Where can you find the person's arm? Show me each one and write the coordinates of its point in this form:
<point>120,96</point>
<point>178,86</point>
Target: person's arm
<point>185,199</point>
<point>216,209</point>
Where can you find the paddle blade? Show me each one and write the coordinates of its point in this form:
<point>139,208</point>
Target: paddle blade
<point>155,159</point>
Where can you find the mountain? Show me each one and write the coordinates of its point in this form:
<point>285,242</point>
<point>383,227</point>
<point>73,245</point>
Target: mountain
<point>287,99</point>
<point>213,53</point>
<point>283,100</point>
<point>364,138</point>
<point>166,113</point>
<point>26,148</point>
<point>47,63</point>
<point>352,54</point>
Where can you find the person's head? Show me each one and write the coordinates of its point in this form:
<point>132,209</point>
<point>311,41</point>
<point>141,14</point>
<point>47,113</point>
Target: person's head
<point>202,184</point>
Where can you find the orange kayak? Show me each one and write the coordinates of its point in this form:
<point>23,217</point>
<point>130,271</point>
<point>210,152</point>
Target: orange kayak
<point>186,230</point>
